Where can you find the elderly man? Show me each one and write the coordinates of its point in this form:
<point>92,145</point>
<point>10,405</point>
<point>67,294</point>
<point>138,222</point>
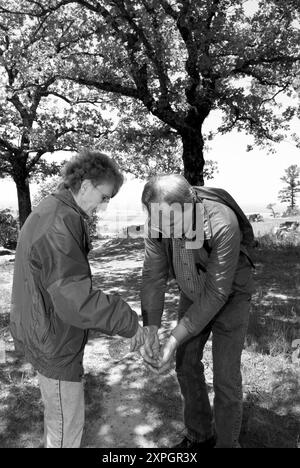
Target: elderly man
<point>53,302</point>
<point>203,242</point>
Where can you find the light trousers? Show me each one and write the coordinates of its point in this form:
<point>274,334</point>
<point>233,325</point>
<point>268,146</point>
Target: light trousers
<point>63,412</point>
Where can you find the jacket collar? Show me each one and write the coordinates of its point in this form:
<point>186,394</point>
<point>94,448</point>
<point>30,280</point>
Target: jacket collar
<point>205,219</point>
<point>65,195</point>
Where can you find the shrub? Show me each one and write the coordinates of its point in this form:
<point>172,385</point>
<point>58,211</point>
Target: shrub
<point>9,229</point>
<point>276,241</point>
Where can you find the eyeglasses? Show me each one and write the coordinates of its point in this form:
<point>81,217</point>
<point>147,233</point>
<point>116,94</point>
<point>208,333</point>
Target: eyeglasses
<point>105,198</point>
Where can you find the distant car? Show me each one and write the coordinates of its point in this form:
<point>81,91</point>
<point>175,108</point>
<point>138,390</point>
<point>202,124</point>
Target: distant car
<point>255,218</point>
<point>286,228</point>
<point>290,225</point>
<point>134,231</point>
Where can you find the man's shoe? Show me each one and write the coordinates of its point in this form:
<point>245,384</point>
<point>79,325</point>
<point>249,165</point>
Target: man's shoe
<point>189,444</point>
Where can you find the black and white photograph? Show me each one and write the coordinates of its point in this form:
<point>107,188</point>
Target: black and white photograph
<point>149,226</point>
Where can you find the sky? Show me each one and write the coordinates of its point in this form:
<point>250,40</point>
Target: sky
<point>253,178</point>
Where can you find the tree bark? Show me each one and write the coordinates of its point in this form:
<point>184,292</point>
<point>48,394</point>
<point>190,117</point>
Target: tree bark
<point>24,200</point>
<point>193,159</point>
<point>293,198</point>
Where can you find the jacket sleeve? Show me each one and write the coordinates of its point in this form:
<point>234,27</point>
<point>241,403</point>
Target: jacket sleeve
<point>67,278</point>
<point>217,286</point>
<point>154,282</point>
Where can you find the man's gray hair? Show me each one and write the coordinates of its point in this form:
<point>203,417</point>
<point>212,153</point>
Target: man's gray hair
<point>168,188</point>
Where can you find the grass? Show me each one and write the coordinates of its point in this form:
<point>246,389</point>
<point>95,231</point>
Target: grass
<point>275,317</point>
<point>128,407</point>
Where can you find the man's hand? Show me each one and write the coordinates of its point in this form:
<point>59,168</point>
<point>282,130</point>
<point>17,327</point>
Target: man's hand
<point>138,339</point>
<point>166,356</point>
<point>150,350</point>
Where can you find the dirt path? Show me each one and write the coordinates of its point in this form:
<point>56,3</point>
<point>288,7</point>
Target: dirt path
<point>128,417</point>
<point>126,406</point>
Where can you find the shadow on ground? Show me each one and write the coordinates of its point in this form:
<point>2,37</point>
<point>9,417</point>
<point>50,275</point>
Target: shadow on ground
<point>273,421</point>
<point>275,315</point>
<point>126,406</point>
<point>126,414</point>
<point>21,407</point>
<point>21,418</point>
<point>119,249</point>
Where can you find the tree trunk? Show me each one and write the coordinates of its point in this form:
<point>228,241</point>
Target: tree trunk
<point>24,200</point>
<point>292,198</point>
<point>193,160</point>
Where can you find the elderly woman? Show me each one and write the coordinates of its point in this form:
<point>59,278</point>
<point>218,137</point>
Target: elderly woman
<point>53,302</point>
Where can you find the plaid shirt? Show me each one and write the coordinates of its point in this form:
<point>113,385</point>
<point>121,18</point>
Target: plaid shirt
<point>189,280</point>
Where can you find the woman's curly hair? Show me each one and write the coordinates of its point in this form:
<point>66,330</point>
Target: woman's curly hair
<point>92,165</point>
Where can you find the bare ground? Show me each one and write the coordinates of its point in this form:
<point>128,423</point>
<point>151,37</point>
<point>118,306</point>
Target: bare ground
<point>126,406</point>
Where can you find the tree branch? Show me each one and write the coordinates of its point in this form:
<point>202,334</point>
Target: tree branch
<point>150,52</point>
<point>239,117</point>
<point>244,67</point>
<point>60,96</point>
<point>107,86</point>
<point>37,157</point>
<point>77,101</point>
<point>281,90</point>
<point>191,65</point>
<point>40,92</point>
<point>15,100</point>
<point>168,9</point>
<point>34,38</point>
<point>254,74</point>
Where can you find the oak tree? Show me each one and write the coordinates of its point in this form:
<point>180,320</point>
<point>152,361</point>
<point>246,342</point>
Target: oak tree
<point>182,60</point>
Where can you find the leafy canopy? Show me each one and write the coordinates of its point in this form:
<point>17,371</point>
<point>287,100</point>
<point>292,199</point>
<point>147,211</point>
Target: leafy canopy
<point>39,113</point>
<point>183,59</point>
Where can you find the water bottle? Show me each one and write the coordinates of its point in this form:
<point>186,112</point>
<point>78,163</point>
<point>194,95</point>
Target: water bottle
<point>2,351</point>
<point>119,348</point>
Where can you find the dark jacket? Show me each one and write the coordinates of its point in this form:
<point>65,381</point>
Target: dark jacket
<point>223,260</point>
<point>53,302</point>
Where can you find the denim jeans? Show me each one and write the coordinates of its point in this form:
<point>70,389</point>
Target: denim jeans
<point>228,329</point>
<point>63,412</point>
